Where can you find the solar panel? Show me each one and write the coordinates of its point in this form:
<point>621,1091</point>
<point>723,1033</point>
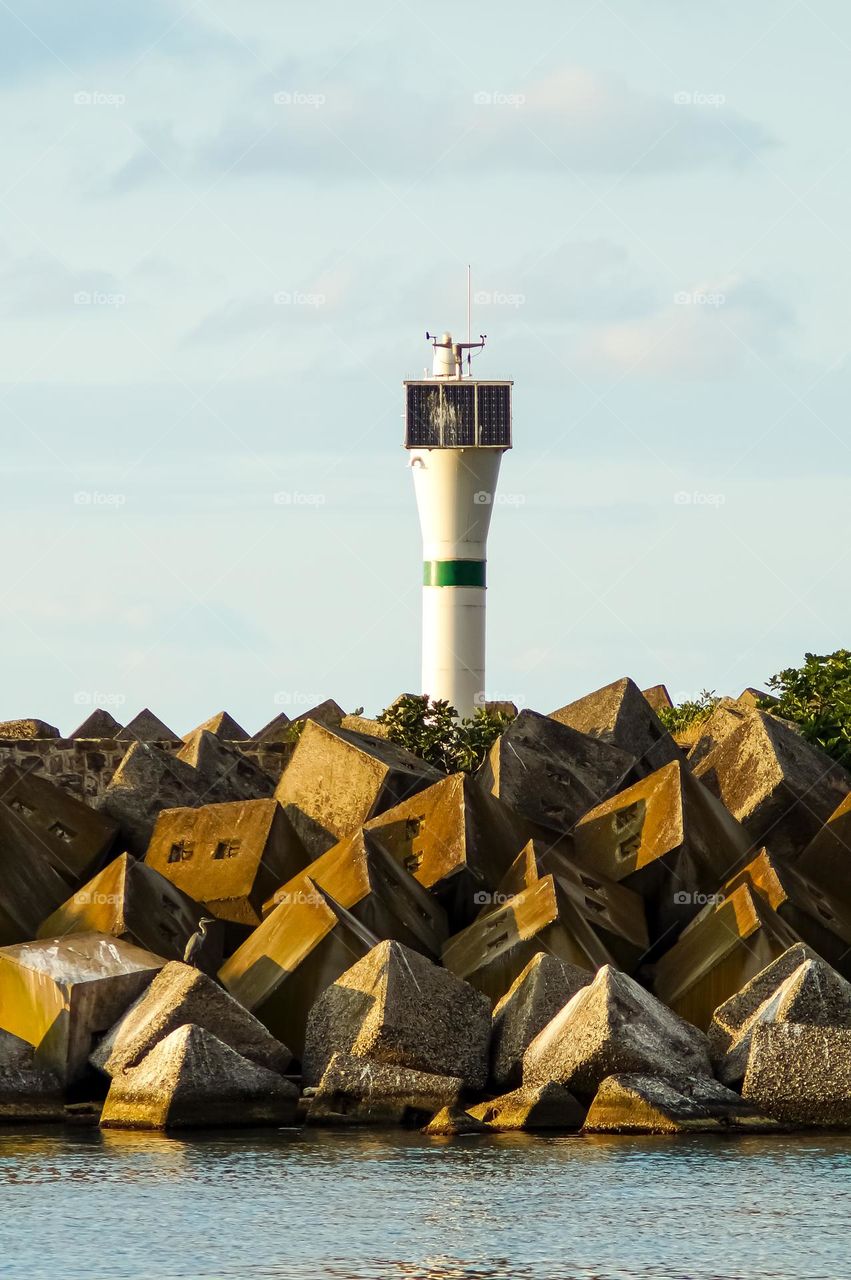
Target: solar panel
<point>423,421</point>
<point>495,415</point>
<point>458,415</point>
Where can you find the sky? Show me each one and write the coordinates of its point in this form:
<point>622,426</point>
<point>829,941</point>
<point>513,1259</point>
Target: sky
<point>225,226</point>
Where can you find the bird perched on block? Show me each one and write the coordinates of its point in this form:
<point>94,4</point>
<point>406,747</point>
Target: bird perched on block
<point>195,946</point>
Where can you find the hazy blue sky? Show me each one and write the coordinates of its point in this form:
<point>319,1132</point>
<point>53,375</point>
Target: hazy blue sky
<point>225,228</point>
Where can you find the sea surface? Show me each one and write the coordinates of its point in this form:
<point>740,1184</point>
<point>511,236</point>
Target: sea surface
<point>288,1205</point>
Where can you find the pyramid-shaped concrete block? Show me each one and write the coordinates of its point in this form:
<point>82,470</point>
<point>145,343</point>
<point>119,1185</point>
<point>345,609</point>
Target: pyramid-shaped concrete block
<point>60,993</point>
<point>493,951</point>
<point>221,726</point>
<point>808,993</point>
<point>132,901</point>
<point>551,774</point>
<point>801,1075</point>
<point>179,995</point>
<point>719,952</point>
<point>533,1000</point>
<point>277,730</point>
<point>621,715</point>
<point>73,837</point>
<point>230,857</point>
<point>357,1090</point>
<point>146,727</point>
<point>329,713</point>
<point>735,1013</point>
<point>545,1106</point>
<point>457,839</point>
<point>192,1080</point>
<point>360,875</point>
<point>100,724</point>
<point>395,1007</point>
<point>283,967</point>
<point>610,1027</point>
<point>337,780</point>
<point>708,732</point>
<point>223,772</point>
<point>669,839</point>
<point>780,787</point>
<point>657,1105</point>
<point>148,780</point>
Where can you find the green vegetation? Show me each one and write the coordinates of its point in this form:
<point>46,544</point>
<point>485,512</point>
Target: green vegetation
<point>433,731</point>
<point>817,697</point>
<point>677,719</point>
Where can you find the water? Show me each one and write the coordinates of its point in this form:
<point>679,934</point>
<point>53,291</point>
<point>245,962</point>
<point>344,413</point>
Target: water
<point>364,1206</point>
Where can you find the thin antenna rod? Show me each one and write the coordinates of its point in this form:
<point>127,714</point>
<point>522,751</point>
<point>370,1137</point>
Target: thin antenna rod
<point>469,303</point>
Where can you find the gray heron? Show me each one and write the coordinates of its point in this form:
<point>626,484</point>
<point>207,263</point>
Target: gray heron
<point>195,945</point>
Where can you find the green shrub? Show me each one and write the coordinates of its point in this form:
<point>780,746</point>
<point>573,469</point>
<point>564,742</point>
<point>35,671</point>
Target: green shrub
<point>677,719</point>
<point>433,731</point>
<point>817,697</point>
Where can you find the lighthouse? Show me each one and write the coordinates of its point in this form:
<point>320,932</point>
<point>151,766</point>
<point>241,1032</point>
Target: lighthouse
<point>457,428</point>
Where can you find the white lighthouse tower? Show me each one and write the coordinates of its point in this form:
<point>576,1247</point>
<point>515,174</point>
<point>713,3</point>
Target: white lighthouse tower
<point>456,428</point>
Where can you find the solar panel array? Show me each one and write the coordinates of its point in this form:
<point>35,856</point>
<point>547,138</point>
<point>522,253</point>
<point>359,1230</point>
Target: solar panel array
<point>458,415</point>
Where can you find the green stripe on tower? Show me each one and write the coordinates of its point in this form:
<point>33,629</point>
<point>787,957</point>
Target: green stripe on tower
<point>454,573</point>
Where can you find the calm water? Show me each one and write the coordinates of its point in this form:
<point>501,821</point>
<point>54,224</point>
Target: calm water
<point>289,1205</point>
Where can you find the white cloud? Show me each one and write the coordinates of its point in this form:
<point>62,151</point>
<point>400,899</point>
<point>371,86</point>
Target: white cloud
<point>709,329</point>
<point>359,129</point>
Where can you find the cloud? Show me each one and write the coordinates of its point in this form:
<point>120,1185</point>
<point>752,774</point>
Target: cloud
<point>711,328</point>
<point>301,124</point>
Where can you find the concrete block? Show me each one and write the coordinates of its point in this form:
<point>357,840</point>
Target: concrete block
<point>192,1080</point>
<point>395,1007</point>
<point>337,780</point>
